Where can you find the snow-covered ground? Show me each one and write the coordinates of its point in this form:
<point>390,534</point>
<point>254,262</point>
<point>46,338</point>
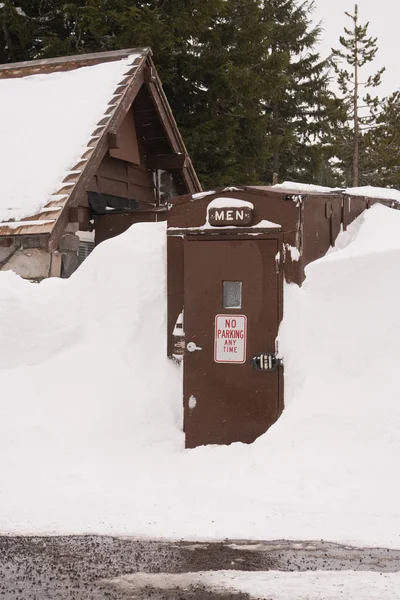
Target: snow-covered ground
<point>273,585</point>
<point>90,407</point>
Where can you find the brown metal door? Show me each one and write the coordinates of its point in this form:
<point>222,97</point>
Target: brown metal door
<point>237,282</point>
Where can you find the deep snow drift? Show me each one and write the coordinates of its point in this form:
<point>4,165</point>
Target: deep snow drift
<point>90,408</point>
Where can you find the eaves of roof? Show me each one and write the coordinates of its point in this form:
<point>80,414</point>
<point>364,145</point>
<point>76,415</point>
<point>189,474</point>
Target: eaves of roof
<point>53,218</point>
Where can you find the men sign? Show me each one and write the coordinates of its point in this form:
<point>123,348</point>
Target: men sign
<point>230,339</point>
<point>237,215</point>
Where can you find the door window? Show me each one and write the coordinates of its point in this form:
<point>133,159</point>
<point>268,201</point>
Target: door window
<point>232,294</point>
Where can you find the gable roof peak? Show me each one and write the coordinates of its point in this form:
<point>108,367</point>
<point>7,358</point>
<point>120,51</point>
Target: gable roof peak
<point>73,104</point>
<point>44,65</point>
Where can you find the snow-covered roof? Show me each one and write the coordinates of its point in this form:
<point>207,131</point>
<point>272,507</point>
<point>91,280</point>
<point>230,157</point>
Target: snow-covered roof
<point>50,125</point>
<point>306,188</point>
<point>299,188</point>
<point>374,192</point>
<point>294,187</point>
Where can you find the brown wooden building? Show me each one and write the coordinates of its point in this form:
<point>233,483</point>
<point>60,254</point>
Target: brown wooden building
<point>92,147</point>
<point>229,252</point>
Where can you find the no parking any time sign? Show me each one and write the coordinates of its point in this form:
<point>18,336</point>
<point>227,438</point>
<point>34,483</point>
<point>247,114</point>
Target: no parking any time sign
<point>230,339</point>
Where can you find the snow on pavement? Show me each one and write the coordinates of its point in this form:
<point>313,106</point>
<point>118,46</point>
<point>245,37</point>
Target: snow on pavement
<point>275,585</point>
<point>91,410</point>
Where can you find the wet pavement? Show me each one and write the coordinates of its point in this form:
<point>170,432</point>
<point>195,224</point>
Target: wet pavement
<point>83,567</point>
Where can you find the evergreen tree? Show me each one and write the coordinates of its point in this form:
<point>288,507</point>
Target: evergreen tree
<point>382,146</point>
<point>209,56</point>
<point>224,121</point>
<point>357,50</point>
<point>300,101</point>
<point>246,87</point>
<point>17,32</point>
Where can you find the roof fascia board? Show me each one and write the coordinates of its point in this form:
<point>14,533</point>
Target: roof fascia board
<point>171,128</point>
<point>121,104</point>
<point>78,58</point>
<point>89,170</point>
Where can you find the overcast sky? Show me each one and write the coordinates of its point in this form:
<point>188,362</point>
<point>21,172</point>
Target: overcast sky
<point>383,16</point>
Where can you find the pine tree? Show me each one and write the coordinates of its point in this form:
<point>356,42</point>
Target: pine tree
<point>357,51</point>
<point>382,146</point>
<point>208,56</point>
<point>79,26</point>
<point>259,99</point>
<point>227,131</point>
<point>17,32</point>
<point>300,101</point>
<point>246,87</point>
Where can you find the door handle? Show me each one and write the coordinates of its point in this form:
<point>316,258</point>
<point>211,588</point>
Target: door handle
<point>192,347</point>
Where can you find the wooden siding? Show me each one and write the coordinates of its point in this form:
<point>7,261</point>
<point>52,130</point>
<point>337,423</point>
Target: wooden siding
<point>128,148</point>
<point>116,137</point>
<point>108,226</point>
<point>148,125</point>
<point>119,178</point>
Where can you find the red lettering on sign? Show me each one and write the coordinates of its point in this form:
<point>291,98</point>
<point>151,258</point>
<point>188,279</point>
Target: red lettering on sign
<point>230,334</point>
<point>230,323</point>
<point>230,338</point>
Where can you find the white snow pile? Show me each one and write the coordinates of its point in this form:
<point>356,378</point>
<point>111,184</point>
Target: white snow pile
<point>61,106</point>
<point>229,203</point>
<point>272,585</point>
<point>90,407</point>
<point>294,186</point>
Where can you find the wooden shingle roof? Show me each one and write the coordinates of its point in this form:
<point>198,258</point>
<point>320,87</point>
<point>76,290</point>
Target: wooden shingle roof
<point>72,106</point>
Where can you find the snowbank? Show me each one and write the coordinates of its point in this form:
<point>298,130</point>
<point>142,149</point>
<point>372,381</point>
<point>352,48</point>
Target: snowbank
<point>90,408</point>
